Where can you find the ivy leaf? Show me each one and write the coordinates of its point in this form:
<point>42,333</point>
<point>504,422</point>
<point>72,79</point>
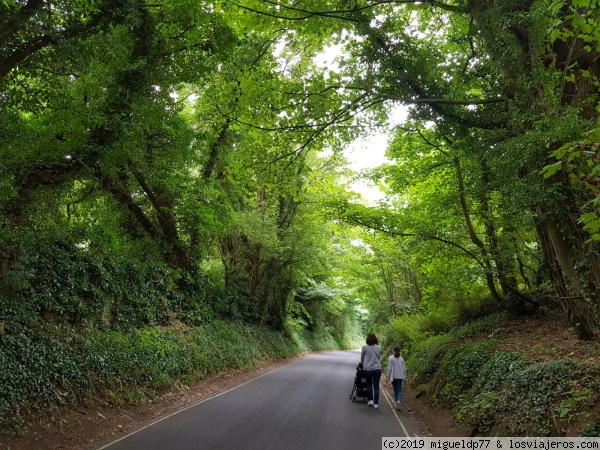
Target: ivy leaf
<point>550,170</point>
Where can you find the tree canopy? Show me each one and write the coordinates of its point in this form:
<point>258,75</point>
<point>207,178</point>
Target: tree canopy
<point>196,149</point>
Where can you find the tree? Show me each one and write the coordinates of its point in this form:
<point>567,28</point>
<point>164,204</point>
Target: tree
<point>166,132</point>
<point>500,73</point>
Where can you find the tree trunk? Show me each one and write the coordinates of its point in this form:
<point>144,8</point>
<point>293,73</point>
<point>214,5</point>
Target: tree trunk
<point>572,263</point>
<point>489,277</point>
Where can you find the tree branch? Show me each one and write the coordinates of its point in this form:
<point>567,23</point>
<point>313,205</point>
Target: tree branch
<point>421,234</point>
<point>443,101</point>
<point>342,14</point>
<point>17,23</point>
<point>23,51</point>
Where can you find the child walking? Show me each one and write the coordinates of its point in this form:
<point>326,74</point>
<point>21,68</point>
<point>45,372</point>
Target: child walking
<point>396,371</point>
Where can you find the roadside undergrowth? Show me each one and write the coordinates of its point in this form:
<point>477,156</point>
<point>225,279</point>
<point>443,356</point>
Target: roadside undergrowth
<point>58,367</point>
<point>503,376</point>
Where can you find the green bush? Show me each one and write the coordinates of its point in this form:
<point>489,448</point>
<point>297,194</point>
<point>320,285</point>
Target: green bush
<point>498,392</point>
<point>40,371</point>
<point>425,360</point>
<point>495,373</point>
<point>483,403</point>
<point>538,391</point>
<point>63,283</point>
<point>536,399</point>
<point>488,325</point>
<point>458,370</point>
<point>415,332</point>
<point>60,366</point>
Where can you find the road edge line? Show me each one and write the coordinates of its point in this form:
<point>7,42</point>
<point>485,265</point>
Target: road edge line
<point>393,408</point>
<point>198,402</point>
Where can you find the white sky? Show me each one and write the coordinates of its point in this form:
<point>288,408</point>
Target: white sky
<point>365,153</point>
<point>369,152</point>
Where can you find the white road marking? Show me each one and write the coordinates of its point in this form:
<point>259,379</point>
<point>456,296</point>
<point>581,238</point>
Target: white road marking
<point>198,402</point>
<point>393,408</point>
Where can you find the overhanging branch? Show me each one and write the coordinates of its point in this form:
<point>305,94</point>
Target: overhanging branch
<point>443,101</point>
<point>343,14</point>
<point>415,234</point>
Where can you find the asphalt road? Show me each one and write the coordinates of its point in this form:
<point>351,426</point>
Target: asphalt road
<point>304,405</point>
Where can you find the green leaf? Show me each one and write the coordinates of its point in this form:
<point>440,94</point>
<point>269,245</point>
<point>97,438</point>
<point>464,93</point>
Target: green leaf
<point>550,170</point>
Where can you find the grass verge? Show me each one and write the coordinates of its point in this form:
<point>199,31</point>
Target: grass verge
<point>57,367</point>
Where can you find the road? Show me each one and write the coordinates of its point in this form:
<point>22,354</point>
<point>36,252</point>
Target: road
<point>300,406</point>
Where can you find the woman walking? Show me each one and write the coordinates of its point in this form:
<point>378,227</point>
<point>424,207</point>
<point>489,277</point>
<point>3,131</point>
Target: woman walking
<point>370,357</point>
<point>396,371</point>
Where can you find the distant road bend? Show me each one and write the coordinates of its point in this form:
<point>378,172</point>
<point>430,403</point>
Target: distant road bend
<point>303,405</point>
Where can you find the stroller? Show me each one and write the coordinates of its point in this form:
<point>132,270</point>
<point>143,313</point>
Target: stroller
<point>359,389</point>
